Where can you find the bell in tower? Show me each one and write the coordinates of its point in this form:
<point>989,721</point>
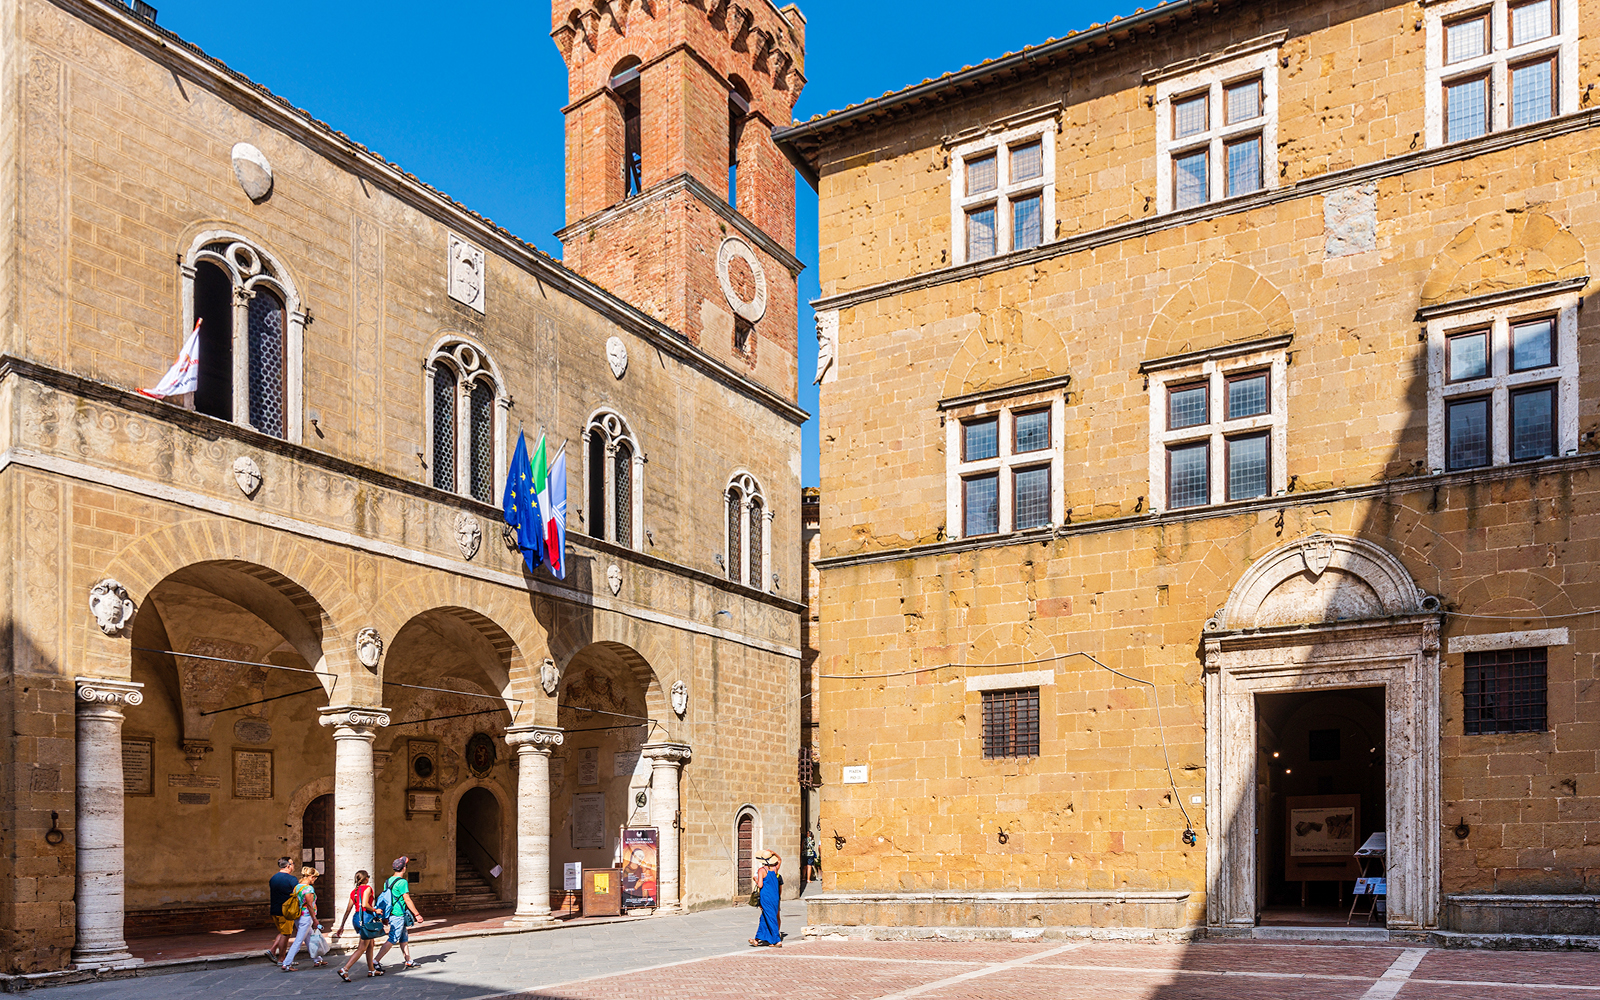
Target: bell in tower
<point>678,201</point>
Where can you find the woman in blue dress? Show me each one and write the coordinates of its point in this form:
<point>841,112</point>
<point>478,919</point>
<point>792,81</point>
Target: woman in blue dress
<point>770,884</point>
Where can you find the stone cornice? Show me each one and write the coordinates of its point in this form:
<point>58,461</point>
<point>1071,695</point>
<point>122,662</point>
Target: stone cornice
<point>1473,303</point>
<point>1410,484</point>
<point>693,185</point>
<point>173,53</point>
<point>1005,392</point>
<point>1216,353</point>
<point>1458,152</point>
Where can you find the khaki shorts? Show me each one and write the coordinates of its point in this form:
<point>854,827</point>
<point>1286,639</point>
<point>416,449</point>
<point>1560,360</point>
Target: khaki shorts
<point>285,926</point>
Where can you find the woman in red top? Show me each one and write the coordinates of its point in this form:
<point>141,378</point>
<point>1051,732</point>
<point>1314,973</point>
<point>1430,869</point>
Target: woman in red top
<point>368,927</point>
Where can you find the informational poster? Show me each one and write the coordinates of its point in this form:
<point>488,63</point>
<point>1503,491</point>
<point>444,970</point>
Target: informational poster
<point>589,766</point>
<point>252,774</point>
<point>640,863</point>
<point>138,776</point>
<point>1328,832</point>
<point>589,821</point>
<point>572,876</point>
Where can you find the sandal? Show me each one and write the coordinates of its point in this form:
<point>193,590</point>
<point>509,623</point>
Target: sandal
<point>410,965</point>
<point>318,963</point>
<point>289,968</point>
<point>343,974</point>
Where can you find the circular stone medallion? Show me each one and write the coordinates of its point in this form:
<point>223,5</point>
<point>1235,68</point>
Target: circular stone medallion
<point>753,310</point>
<point>253,731</point>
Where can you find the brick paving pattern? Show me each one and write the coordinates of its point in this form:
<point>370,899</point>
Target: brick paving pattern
<point>703,956</point>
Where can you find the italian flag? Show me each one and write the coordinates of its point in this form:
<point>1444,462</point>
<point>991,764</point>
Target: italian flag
<point>550,487</point>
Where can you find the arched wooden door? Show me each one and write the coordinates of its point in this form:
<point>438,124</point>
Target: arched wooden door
<point>316,850</point>
<point>747,830</point>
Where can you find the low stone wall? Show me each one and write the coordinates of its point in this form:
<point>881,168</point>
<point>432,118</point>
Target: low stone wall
<point>968,915</point>
<point>195,919</point>
<point>1567,915</point>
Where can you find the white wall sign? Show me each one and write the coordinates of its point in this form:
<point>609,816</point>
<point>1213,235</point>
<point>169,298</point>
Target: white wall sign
<point>572,876</point>
<point>855,774</point>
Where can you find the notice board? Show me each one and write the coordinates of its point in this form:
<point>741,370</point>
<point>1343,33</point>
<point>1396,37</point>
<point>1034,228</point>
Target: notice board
<point>602,892</point>
<point>1322,833</point>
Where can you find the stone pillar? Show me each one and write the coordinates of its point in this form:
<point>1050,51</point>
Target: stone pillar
<point>100,902</point>
<point>666,761</point>
<point>533,745</point>
<point>354,797</point>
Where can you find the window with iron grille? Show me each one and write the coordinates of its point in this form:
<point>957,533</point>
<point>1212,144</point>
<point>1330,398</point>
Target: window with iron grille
<point>756,525</point>
<point>465,440</point>
<point>735,521</point>
<point>1504,692</point>
<point>810,774</point>
<point>749,546</point>
<point>444,426</point>
<point>266,363</point>
<point>1011,723</point>
<point>614,471</point>
<point>483,442</point>
<point>622,482</point>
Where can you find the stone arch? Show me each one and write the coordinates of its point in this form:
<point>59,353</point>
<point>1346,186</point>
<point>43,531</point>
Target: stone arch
<point>646,654</point>
<point>1020,642</point>
<point>638,666</point>
<point>507,847</point>
<point>1229,303</point>
<point>303,797</point>
<point>1007,348</point>
<point>1504,250</point>
<point>468,625</point>
<point>156,555</point>
<point>739,873</point>
<point>1320,579</point>
<point>1509,595</point>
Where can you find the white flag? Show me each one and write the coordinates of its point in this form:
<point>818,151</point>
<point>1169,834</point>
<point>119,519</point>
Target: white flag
<point>184,375</point>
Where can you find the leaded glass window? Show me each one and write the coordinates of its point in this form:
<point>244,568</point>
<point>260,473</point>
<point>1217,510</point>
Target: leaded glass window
<point>444,426</point>
<point>756,528</point>
<point>482,406</point>
<point>735,526</point>
<point>266,363</point>
<point>622,484</point>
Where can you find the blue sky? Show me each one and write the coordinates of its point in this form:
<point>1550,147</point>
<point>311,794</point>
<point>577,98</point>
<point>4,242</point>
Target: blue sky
<point>469,98</point>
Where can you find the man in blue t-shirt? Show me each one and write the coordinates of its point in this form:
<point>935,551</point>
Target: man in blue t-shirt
<point>279,888</point>
<point>400,901</point>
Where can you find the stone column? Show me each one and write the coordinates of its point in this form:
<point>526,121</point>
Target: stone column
<point>100,901</point>
<point>666,761</point>
<point>354,797</point>
<point>533,745</point>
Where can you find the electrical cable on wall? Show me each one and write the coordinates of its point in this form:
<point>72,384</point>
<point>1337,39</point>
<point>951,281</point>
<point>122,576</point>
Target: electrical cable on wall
<point>1189,837</point>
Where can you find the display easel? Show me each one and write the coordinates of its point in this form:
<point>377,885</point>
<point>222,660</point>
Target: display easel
<point>1374,882</point>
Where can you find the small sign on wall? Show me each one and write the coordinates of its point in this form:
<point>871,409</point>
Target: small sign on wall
<point>138,776</point>
<point>572,876</point>
<point>855,774</point>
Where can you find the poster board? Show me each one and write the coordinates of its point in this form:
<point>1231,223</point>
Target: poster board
<point>602,892</point>
<point>641,861</point>
<point>1321,835</point>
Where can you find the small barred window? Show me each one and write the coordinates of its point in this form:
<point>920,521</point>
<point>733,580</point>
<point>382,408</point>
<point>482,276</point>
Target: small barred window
<point>1011,723</point>
<point>1505,692</point>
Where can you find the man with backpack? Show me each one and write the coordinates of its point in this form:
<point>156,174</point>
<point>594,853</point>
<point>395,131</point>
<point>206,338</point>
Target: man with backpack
<point>395,903</point>
<point>279,888</point>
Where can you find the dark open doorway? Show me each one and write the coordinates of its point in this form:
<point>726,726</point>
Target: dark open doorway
<point>316,850</point>
<point>478,861</point>
<point>1321,792</point>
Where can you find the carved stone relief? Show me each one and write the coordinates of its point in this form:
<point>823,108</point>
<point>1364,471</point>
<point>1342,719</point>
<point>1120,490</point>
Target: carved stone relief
<point>617,355</point>
<point>112,607</point>
<point>252,170</point>
<point>751,311</point>
<point>549,676</point>
<point>827,344</point>
<point>466,276</point>
<point>614,578</point>
<point>680,698</point>
<point>468,534</point>
<point>369,647</point>
<point>247,474</point>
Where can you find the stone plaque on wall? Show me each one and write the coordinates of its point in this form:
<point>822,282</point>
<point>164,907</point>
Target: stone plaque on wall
<point>253,731</point>
<point>589,821</point>
<point>252,774</point>
<point>623,763</point>
<point>194,798</point>
<point>138,775</point>
<point>193,781</point>
<point>589,766</point>
<point>558,771</point>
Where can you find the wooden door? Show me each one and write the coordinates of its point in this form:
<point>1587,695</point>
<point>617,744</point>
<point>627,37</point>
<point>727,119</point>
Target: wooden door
<point>316,850</point>
<point>747,825</point>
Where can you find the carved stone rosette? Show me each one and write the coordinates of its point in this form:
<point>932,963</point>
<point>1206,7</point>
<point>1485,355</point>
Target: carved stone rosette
<point>114,694</point>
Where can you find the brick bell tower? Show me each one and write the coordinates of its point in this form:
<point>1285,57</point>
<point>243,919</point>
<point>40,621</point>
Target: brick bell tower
<point>677,198</point>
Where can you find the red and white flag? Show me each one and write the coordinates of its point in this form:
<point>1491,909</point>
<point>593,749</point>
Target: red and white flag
<point>184,375</point>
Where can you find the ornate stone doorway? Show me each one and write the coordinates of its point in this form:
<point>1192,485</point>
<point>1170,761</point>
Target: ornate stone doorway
<point>1322,614</point>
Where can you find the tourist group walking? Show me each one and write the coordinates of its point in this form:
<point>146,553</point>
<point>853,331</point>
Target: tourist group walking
<point>389,914</point>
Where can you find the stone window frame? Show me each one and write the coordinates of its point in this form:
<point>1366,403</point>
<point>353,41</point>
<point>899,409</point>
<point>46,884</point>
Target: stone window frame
<point>266,271</point>
<point>615,432</point>
<point>1008,748</point>
<point>473,366</point>
<point>1212,75</point>
<point>1497,312</point>
<point>1497,62</point>
<point>744,490</point>
<point>1005,404</point>
<point>998,138</point>
<point>1215,367</point>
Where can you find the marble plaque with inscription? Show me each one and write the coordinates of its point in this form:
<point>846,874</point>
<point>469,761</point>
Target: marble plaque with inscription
<point>623,763</point>
<point>194,798</point>
<point>558,771</point>
<point>588,821</point>
<point>138,776</point>
<point>252,774</point>
<point>589,766</point>
<point>193,781</point>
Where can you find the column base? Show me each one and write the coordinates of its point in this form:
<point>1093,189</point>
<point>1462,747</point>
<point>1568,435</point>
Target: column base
<point>529,921</point>
<point>85,961</point>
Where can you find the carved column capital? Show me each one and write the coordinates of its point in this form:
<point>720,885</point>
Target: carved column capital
<point>354,722</point>
<point>534,739</point>
<point>99,691</point>
<point>672,755</point>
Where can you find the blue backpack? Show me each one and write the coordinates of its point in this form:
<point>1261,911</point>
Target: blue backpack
<point>385,902</point>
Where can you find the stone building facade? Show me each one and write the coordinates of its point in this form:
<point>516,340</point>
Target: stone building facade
<point>282,618</point>
<point>1208,444</point>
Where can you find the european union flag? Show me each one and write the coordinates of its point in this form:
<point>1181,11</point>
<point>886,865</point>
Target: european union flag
<point>522,506</point>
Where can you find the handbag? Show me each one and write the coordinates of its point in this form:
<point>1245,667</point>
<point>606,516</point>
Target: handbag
<point>755,897</point>
<point>367,925</point>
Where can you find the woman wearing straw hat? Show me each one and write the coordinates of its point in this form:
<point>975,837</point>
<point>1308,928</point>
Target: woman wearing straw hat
<point>770,885</point>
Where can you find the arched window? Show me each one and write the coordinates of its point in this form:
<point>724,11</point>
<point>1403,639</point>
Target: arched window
<point>749,522</point>
<point>614,510</point>
<point>234,289</point>
<point>624,86</point>
<point>466,430</point>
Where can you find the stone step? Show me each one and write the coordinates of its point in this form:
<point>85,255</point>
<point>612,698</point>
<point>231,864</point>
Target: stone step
<point>1320,933</point>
